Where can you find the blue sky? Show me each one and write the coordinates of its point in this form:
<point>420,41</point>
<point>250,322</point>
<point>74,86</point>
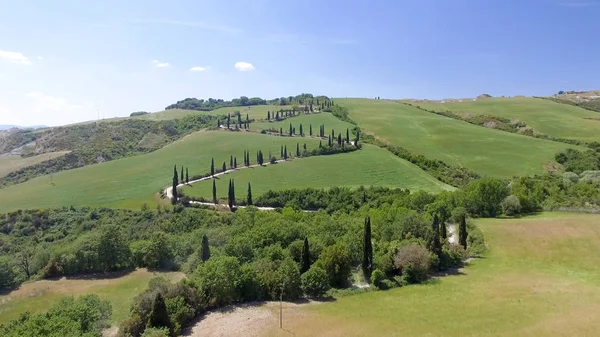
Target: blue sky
<point>68,61</point>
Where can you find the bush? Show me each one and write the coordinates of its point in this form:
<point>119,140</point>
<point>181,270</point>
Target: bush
<point>273,160</point>
<point>452,256</point>
<point>377,278</point>
<point>335,260</point>
<point>475,242</point>
<point>511,205</point>
<point>413,262</point>
<point>156,332</point>
<point>315,282</point>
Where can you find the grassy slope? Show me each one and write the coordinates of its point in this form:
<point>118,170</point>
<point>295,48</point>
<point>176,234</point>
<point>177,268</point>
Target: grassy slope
<point>254,112</point>
<point>554,119</point>
<point>540,278</point>
<point>12,163</point>
<point>327,119</point>
<point>486,151</point>
<point>370,166</point>
<point>39,296</point>
<point>130,182</point>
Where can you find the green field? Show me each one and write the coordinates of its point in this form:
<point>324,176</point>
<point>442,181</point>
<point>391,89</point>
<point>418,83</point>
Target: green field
<point>254,112</point>
<point>547,117</point>
<point>9,164</point>
<point>371,166</point>
<point>327,119</point>
<point>133,181</point>
<point>37,297</point>
<point>540,278</point>
<point>486,151</point>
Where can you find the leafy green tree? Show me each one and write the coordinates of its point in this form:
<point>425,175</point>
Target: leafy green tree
<point>462,231</point>
<point>315,282</point>
<point>367,261</point>
<point>113,249</point>
<point>218,123</point>
<point>305,257</point>
<point>205,249</point>
<point>159,317</point>
<point>484,196</point>
<point>249,197</point>
<point>217,280</point>
<point>212,167</point>
<point>320,144</point>
<point>7,274</point>
<point>214,192</point>
<point>336,262</point>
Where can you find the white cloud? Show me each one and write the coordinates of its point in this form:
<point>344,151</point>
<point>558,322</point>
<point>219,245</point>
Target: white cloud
<point>159,64</point>
<point>198,69</point>
<point>40,57</point>
<point>244,66</point>
<point>14,57</point>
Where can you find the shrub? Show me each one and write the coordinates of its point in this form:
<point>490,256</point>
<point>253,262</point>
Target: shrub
<point>335,260</point>
<point>452,256</point>
<point>475,241</point>
<point>315,282</point>
<point>132,326</point>
<point>377,278</point>
<point>273,160</point>
<point>511,205</point>
<point>413,262</point>
<point>156,332</point>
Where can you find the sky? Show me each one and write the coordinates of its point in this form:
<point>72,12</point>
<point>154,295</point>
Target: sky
<point>68,61</point>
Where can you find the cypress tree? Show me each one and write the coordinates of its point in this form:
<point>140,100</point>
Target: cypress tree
<point>187,176</point>
<point>205,250</point>
<point>224,167</point>
<point>304,146</point>
<point>290,129</point>
<point>301,132</point>
<point>310,129</point>
<point>347,136</point>
<point>249,198</point>
<point>285,154</point>
<point>277,116</point>
<point>443,230</point>
<point>233,192</point>
<point>294,131</point>
<point>212,167</point>
<point>239,118</point>
<point>181,179</point>
<point>462,232</point>
<point>175,183</point>
<point>215,201</point>
<point>159,317</point>
<point>367,262</point>
<point>305,257</point>
<point>247,119</point>
<point>329,143</point>
<point>281,153</point>
<point>268,115</point>
<point>228,120</point>
<point>280,131</point>
<point>229,200</point>
<point>320,144</point>
<point>357,138</point>
<point>340,139</point>
<point>218,123</point>
<point>436,245</point>
<point>235,162</point>
<point>230,161</point>
<point>297,149</point>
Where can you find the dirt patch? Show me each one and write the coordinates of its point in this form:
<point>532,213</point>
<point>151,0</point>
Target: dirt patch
<point>490,124</point>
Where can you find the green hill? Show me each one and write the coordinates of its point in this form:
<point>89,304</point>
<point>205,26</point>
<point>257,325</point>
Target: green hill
<point>371,166</point>
<point>254,112</point>
<point>325,118</point>
<point>545,116</point>
<point>486,151</point>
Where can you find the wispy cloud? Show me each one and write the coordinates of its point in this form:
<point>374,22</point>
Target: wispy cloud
<point>244,66</point>
<point>196,24</point>
<point>14,57</point>
<point>198,69</point>
<point>577,3</point>
<point>159,64</point>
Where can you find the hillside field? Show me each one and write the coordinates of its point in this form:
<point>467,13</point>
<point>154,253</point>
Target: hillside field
<point>9,164</point>
<point>316,120</point>
<point>486,151</point>
<point>133,181</point>
<point>39,296</point>
<point>539,278</point>
<point>371,166</point>
<point>254,112</point>
<point>547,117</point>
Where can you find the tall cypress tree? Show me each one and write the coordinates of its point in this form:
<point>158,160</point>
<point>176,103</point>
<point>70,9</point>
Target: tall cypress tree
<point>320,144</point>
<point>301,131</point>
<point>187,176</point>
<point>285,153</point>
<point>235,162</point>
<point>280,131</point>
<point>175,183</point>
<point>436,245</point>
<point>230,161</point>
<point>159,317</point>
<point>233,192</point>
<point>357,138</point>
<point>462,232</point>
<point>212,167</point>
<point>224,167</point>
<point>205,249</point>
<point>290,129</point>
<point>443,229</point>
<point>181,179</point>
<point>329,143</point>
<point>347,136</point>
<point>229,194</point>
<point>305,257</point>
<point>310,129</point>
<point>268,115</point>
<point>281,152</point>
<point>215,201</point>
<point>218,123</point>
<point>297,149</point>
<point>367,262</point>
<point>249,197</point>
<point>339,139</point>
<point>228,120</point>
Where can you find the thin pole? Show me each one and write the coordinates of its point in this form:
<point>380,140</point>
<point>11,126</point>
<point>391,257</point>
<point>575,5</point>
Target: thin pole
<point>281,307</point>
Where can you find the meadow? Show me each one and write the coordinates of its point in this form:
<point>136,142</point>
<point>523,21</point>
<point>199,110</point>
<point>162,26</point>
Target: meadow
<point>133,181</point>
<point>119,289</point>
<point>316,120</point>
<point>539,278</point>
<point>486,151</point>
<point>12,163</point>
<point>371,166</point>
<point>545,116</point>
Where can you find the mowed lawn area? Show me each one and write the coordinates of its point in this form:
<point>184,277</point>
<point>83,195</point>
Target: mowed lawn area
<point>131,182</point>
<point>486,151</point>
<point>539,278</point>
<point>255,112</point>
<point>9,164</point>
<point>371,166</point>
<point>547,117</point>
<point>316,120</point>
<point>40,296</point>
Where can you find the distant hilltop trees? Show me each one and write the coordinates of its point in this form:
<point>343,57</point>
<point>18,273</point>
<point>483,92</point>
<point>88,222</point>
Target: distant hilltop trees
<point>212,104</point>
<point>138,113</point>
